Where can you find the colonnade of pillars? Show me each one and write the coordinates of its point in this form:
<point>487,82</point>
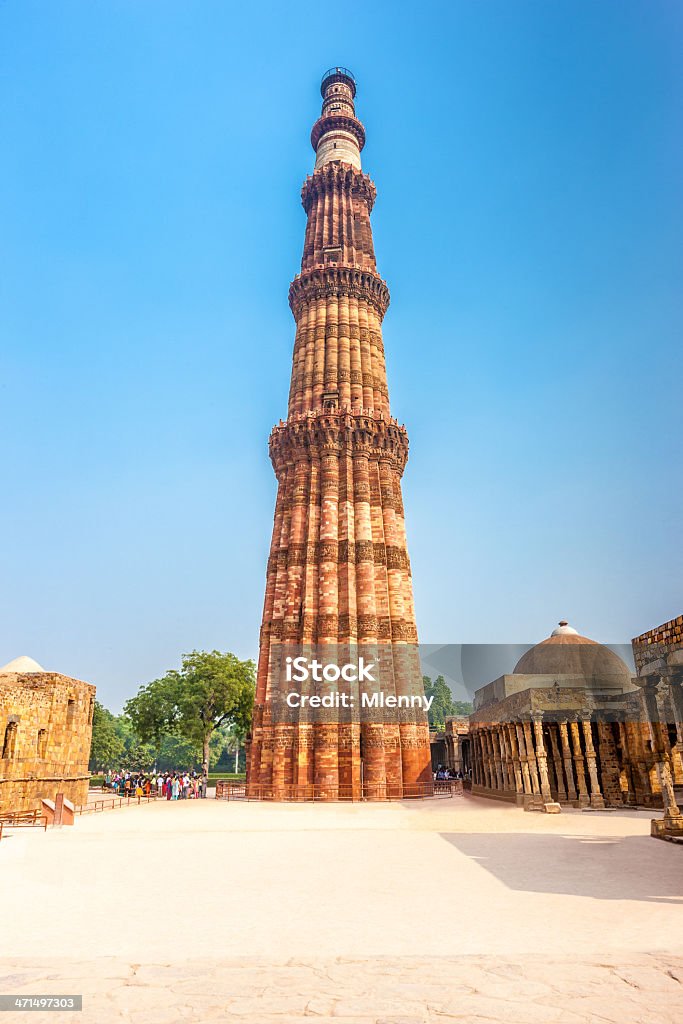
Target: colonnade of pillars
<point>537,761</point>
<point>578,761</point>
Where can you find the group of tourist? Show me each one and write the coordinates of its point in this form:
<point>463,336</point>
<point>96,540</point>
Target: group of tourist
<point>444,773</point>
<point>176,785</point>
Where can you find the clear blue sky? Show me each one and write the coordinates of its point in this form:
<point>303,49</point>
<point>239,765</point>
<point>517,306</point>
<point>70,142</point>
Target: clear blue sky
<point>528,160</point>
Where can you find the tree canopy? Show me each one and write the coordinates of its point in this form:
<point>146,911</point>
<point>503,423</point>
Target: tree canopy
<point>211,689</point>
<point>443,705</point>
<point>107,744</point>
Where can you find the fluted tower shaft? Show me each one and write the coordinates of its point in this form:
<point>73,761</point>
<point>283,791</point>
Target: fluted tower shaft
<point>338,573</point>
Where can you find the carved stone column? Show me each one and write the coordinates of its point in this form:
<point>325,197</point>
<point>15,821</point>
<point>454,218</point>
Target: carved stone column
<point>557,760</point>
<point>480,773</point>
<point>597,800</point>
<point>475,758</point>
<point>506,760</point>
<point>676,688</point>
<point>672,814</point>
<point>523,759</point>
<point>579,765</point>
<point>531,759</point>
<point>514,752</point>
<point>485,758</point>
<point>490,769</point>
<point>568,765</point>
<point>498,761</point>
<point>676,684</point>
<point>541,756</point>
<point>482,758</point>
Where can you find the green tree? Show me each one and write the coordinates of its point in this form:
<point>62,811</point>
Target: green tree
<point>210,689</point>
<point>177,752</point>
<point>232,739</point>
<point>137,755</point>
<point>107,745</point>
<point>443,705</point>
<point>153,713</point>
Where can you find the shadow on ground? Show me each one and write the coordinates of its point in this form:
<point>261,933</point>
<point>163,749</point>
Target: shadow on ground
<point>602,867</point>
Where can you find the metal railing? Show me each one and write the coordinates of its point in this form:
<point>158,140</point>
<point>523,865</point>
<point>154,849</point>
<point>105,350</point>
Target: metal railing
<point>331,72</point>
<point>109,803</point>
<point>227,789</point>
<point>22,819</point>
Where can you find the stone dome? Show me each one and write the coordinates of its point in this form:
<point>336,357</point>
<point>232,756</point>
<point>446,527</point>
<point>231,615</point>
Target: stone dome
<point>22,664</point>
<point>566,652</point>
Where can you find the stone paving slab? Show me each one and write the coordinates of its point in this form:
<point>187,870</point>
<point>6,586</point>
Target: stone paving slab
<point>614,989</point>
<point>469,878</point>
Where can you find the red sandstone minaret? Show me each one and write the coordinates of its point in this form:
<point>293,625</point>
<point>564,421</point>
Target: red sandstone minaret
<point>338,573</point>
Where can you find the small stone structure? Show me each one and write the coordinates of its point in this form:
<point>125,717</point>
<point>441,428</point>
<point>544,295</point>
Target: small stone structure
<point>45,732</point>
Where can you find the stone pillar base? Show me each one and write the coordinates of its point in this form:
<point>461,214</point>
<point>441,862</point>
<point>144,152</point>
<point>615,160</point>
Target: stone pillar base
<point>597,801</point>
<point>551,807</point>
<point>667,828</point>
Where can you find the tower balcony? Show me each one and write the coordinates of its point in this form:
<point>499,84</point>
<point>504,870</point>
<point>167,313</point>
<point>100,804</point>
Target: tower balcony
<point>342,75</point>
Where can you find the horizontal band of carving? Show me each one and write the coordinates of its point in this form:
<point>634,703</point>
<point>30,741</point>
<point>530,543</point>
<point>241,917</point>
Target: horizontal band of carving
<point>345,493</point>
<point>341,552</point>
<point>322,434</point>
<point>313,379</point>
<point>340,123</point>
<point>338,628</point>
<point>338,280</point>
<point>338,177</point>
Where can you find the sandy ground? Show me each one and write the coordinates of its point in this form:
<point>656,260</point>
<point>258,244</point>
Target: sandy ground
<point>460,909</point>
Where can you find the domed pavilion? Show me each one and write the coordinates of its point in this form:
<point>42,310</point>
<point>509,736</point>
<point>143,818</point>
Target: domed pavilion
<point>564,727</point>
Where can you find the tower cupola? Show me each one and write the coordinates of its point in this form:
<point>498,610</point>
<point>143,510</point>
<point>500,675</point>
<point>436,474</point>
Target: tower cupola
<point>338,135</point>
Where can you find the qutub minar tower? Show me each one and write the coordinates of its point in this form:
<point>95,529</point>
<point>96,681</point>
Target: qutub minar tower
<point>338,573</point>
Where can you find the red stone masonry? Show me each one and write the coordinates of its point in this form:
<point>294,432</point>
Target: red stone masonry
<point>338,571</point>
<point>658,642</point>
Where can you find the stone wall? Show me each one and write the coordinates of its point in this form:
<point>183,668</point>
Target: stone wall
<point>658,643</point>
<point>45,733</point>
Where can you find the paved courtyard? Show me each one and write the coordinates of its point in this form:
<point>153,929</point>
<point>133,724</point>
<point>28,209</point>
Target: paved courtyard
<point>446,910</point>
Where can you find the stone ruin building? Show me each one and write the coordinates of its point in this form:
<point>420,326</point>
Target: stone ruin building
<point>658,656</point>
<point>45,732</point>
<point>571,725</point>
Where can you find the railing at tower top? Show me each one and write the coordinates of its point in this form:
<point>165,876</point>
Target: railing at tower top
<point>227,789</point>
<point>332,72</point>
